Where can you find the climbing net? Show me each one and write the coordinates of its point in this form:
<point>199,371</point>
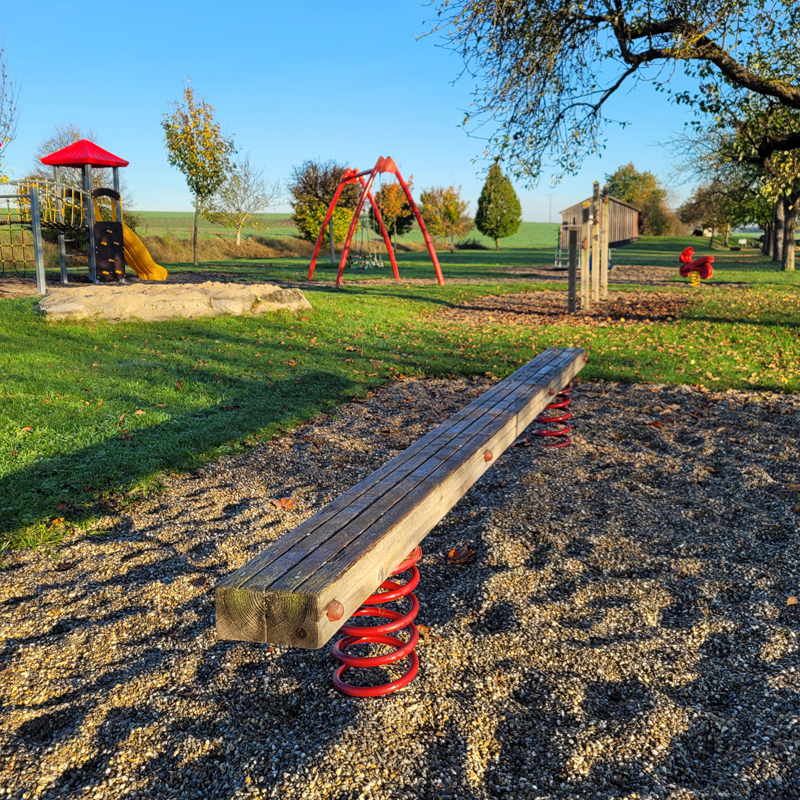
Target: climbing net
<point>16,238</point>
<point>61,208</point>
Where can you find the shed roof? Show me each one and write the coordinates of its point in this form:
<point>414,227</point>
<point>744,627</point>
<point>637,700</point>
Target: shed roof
<point>589,200</point>
<point>83,153</point>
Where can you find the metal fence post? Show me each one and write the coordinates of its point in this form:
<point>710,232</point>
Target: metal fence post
<point>62,247</point>
<point>38,254</point>
<point>89,200</point>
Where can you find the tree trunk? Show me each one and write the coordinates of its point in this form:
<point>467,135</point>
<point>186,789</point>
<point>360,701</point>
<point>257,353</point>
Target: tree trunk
<point>394,236</point>
<point>194,237</point>
<point>239,236</point>
<point>496,244</point>
<point>790,232</point>
<point>766,245</point>
<point>452,241</point>
<point>779,225</point>
<point>711,240</point>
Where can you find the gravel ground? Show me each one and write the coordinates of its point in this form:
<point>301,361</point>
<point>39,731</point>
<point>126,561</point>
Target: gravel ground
<point>620,632</point>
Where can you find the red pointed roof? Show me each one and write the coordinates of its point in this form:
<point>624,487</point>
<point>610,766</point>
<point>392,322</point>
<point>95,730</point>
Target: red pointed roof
<point>82,153</point>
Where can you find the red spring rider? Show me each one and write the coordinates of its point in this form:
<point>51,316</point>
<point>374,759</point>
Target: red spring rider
<point>697,269</point>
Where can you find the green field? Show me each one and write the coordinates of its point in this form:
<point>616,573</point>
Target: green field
<point>92,414</point>
<point>179,223</point>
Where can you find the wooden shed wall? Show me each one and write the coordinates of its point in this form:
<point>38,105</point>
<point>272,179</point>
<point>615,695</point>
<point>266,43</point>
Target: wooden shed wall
<point>623,220</point>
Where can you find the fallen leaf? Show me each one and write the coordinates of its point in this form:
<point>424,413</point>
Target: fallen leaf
<point>63,566</point>
<point>126,437</point>
<point>792,601</point>
<point>655,424</point>
<point>201,581</point>
<point>460,555</point>
<point>161,405</point>
<point>284,502</point>
<point>138,411</point>
<point>27,428</point>
<point>792,487</point>
<point>54,522</point>
<point>95,363</point>
<point>426,632</point>
<point>179,385</point>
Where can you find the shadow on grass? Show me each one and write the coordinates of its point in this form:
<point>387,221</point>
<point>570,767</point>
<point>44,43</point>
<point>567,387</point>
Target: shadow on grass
<point>179,443</point>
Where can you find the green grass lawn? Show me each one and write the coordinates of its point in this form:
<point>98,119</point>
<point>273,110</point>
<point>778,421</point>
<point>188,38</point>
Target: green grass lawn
<point>91,414</point>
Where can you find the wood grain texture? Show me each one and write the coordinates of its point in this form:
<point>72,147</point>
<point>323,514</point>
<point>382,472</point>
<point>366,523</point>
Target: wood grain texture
<point>348,548</point>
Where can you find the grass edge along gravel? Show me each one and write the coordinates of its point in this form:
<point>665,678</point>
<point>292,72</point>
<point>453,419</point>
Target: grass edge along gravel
<point>210,386</point>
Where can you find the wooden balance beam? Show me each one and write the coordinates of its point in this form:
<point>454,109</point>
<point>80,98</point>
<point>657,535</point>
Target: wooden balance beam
<point>304,586</point>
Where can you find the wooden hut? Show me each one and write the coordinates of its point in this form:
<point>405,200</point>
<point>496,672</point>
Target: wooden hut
<point>623,221</point>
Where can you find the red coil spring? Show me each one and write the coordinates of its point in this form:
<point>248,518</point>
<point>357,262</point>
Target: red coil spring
<point>556,434</point>
<point>378,634</point>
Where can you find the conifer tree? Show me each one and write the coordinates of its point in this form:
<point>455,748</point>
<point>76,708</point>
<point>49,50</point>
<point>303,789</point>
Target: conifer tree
<point>499,212</point>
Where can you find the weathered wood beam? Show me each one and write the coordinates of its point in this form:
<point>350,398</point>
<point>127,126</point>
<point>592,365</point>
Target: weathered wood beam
<point>346,550</point>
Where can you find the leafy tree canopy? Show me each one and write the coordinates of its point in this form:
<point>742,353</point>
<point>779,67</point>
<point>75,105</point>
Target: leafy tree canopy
<point>545,69</point>
<point>499,212</point>
<point>398,216</point>
<point>444,213</point>
<point>311,188</point>
<point>197,147</point>
<point>645,191</point>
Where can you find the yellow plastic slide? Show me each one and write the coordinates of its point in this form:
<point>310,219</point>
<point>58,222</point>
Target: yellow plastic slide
<point>137,255</point>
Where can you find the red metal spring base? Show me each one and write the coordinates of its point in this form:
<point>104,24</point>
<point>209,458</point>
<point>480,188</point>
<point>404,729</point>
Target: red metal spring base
<point>377,634</point>
<point>557,436</point>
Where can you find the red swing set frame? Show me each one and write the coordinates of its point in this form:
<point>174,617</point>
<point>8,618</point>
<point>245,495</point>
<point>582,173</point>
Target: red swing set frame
<point>352,175</point>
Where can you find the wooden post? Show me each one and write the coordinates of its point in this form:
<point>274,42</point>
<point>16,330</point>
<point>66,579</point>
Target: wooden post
<point>87,198</point>
<point>585,256</point>
<point>36,227</point>
<point>62,246</point>
<point>596,242</point>
<point>605,235</point>
<point>572,278</point>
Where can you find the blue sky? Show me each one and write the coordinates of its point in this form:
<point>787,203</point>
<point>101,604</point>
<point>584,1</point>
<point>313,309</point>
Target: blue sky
<point>344,80</point>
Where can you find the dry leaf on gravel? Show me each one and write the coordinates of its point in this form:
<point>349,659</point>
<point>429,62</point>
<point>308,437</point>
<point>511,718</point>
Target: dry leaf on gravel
<point>460,555</point>
<point>284,502</point>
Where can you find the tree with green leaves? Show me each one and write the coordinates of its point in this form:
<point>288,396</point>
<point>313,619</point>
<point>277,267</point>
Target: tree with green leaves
<point>645,191</point>
<point>197,147</point>
<point>9,110</point>
<point>711,207</point>
<point>245,193</point>
<point>444,213</point>
<point>546,69</point>
<point>499,212</point>
<point>311,188</point>
<point>731,142</point>
<point>398,216</point>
